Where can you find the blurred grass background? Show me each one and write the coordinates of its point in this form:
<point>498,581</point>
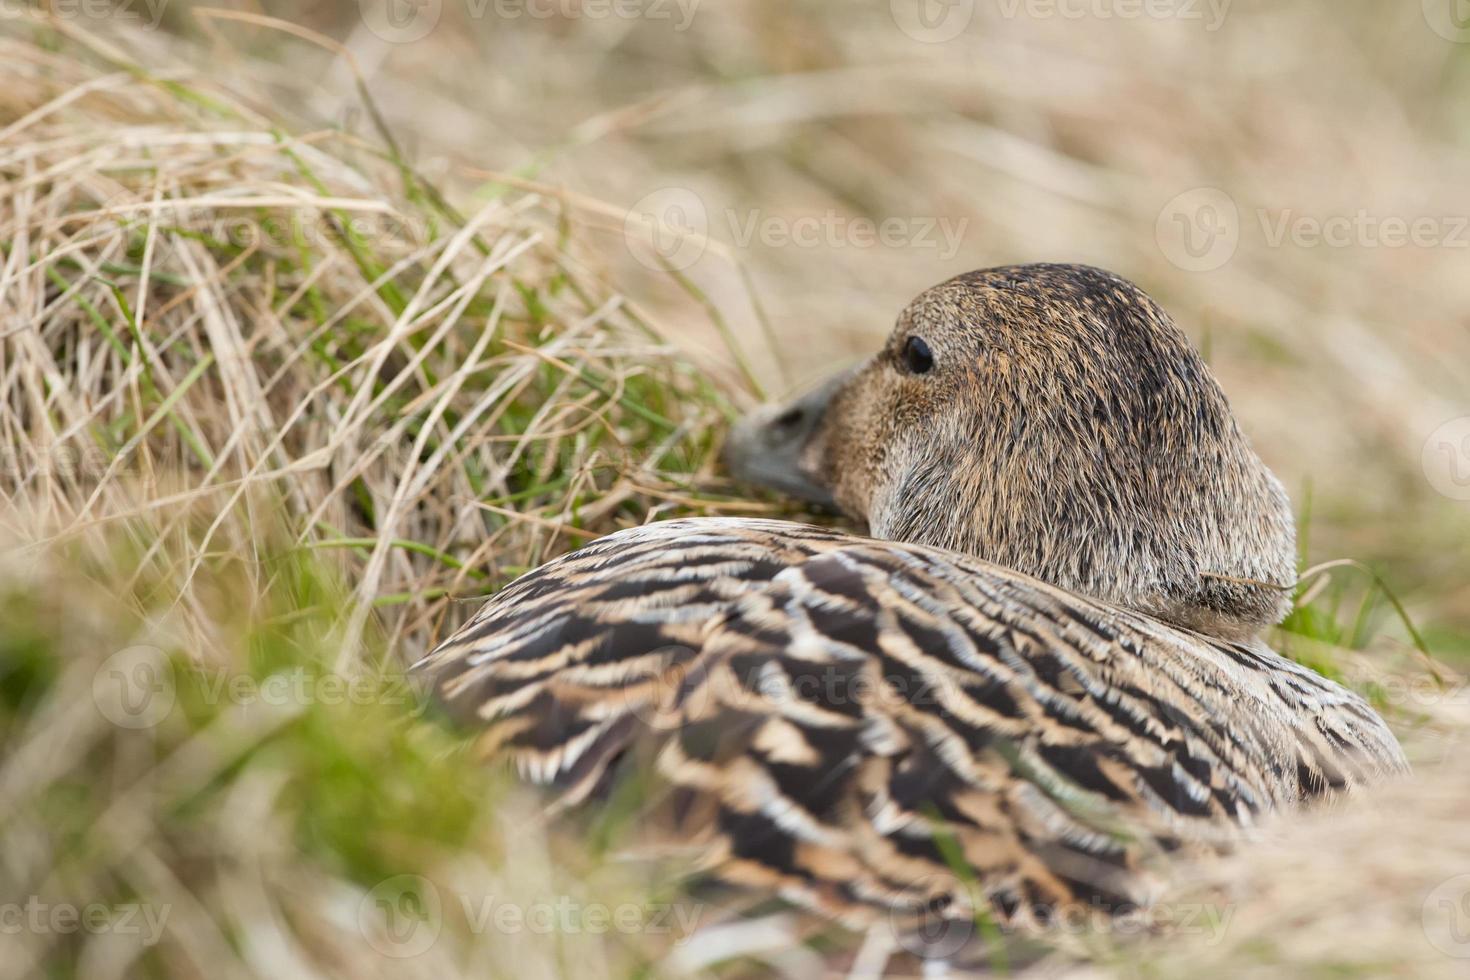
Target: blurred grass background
<point>322,320</point>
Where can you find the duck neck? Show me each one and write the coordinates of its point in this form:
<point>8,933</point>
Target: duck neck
<point>1203,539</point>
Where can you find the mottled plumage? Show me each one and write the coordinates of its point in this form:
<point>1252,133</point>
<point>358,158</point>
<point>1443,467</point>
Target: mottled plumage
<point>862,725</point>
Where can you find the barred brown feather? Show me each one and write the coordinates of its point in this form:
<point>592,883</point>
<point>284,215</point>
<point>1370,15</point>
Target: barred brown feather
<point>844,706</point>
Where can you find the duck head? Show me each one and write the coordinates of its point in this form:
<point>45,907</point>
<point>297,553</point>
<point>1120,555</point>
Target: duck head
<point>1054,420</point>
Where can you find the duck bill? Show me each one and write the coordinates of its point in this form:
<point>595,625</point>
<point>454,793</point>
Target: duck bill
<point>769,447</point>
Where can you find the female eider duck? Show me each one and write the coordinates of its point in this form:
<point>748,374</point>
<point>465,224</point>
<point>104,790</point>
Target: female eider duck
<point>1040,670</point>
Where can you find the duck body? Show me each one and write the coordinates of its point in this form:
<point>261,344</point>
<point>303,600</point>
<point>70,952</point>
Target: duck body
<point>844,706</point>
<point>1042,672</point>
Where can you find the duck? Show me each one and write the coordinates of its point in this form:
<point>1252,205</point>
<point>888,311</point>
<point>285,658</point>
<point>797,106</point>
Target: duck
<point>1033,671</point>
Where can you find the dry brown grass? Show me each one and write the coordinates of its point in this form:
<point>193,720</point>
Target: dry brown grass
<point>214,328</point>
<point>269,408</point>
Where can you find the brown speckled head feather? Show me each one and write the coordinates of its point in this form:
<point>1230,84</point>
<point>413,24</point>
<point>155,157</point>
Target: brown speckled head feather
<point>864,726</point>
<point>1068,430</point>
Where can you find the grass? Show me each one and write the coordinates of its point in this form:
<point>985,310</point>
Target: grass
<point>280,400</point>
<point>259,810</point>
<point>245,324</point>
<point>275,416</point>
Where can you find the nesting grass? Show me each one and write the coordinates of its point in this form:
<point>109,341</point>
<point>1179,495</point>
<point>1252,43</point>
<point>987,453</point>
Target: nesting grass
<point>275,409</point>
<point>264,816</point>
<point>218,332</point>
<point>273,415</point>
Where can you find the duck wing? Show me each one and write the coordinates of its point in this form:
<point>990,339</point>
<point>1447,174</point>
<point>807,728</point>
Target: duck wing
<point>875,726</point>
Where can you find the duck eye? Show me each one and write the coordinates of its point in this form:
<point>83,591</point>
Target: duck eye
<point>917,357</point>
